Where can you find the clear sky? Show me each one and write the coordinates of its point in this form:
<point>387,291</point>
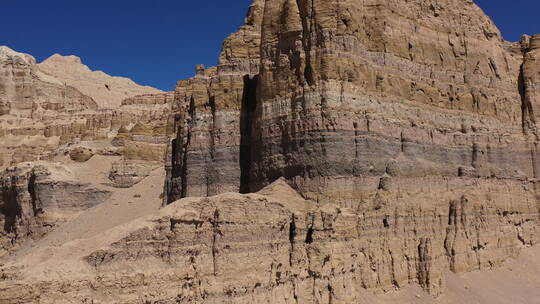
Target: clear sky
<point>156,42</point>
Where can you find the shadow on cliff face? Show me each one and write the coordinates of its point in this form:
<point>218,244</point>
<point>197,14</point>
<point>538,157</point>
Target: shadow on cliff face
<point>10,208</point>
<point>249,106</point>
<point>526,106</point>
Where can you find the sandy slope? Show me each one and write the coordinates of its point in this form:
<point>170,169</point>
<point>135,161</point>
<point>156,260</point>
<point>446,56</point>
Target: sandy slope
<point>84,233</point>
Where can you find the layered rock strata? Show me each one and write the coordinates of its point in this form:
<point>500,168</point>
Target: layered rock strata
<point>45,115</point>
<point>424,94</point>
<point>61,101</point>
<point>210,118</point>
<point>125,174</point>
<point>276,247</point>
<point>36,197</point>
<point>108,91</point>
<point>397,110</point>
<point>530,90</point>
<point>407,129</point>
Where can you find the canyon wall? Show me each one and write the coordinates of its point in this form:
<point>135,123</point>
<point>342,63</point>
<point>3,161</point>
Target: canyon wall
<point>416,115</point>
<point>211,118</point>
<point>37,197</point>
<point>377,144</point>
<point>44,115</point>
<point>43,107</point>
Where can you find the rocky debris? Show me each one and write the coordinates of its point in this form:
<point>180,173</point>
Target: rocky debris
<point>110,151</point>
<point>88,148</point>
<point>36,197</point>
<point>126,174</point>
<point>81,154</point>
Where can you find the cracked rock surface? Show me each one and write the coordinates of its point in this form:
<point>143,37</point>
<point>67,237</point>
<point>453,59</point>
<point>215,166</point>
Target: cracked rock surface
<point>415,115</point>
<point>273,247</point>
<point>339,149</point>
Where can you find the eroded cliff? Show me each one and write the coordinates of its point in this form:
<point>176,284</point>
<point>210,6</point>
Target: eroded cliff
<point>209,154</point>
<point>44,115</point>
<point>383,144</point>
<point>59,102</point>
<point>398,110</point>
<point>37,197</point>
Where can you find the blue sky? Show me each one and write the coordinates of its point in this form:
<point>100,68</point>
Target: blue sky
<point>156,42</point>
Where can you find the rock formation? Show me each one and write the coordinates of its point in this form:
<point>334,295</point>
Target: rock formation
<point>44,115</point>
<point>35,197</point>
<point>107,91</point>
<point>530,94</point>
<point>125,174</point>
<point>210,118</point>
<point>377,144</point>
<point>61,101</point>
<point>30,100</point>
<point>413,114</point>
<point>270,247</point>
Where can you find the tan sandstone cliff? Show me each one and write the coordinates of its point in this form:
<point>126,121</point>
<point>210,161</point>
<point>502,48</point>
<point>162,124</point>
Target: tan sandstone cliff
<point>211,120</point>
<point>383,144</point>
<point>416,115</point>
<point>61,108</point>
<point>61,101</point>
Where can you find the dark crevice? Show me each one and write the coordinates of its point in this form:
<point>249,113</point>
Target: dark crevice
<point>393,269</point>
<point>526,106</point>
<point>10,209</point>
<point>185,148</point>
<point>212,147</point>
<point>177,186</point>
<point>33,195</point>
<point>216,233</point>
<point>402,143</point>
<point>309,235</point>
<point>385,223</point>
<point>171,163</point>
<point>249,106</point>
<point>307,14</point>
<point>330,294</point>
<point>292,235</point>
<point>310,231</point>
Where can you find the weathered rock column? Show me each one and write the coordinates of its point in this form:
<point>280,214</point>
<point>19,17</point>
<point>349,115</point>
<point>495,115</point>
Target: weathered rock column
<point>530,83</point>
<point>209,152</point>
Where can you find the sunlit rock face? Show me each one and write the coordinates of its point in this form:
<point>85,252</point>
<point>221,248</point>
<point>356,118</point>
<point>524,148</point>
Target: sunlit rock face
<point>398,110</point>
<point>210,154</point>
<point>36,197</point>
<point>376,144</point>
<point>61,101</point>
<point>354,90</point>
